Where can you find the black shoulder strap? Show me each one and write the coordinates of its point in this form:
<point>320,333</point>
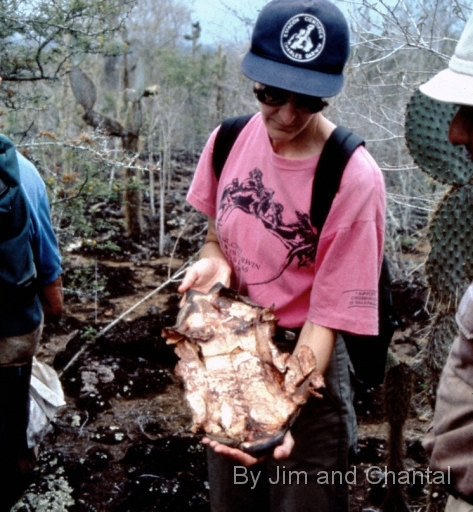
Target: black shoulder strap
<point>335,155</point>
<point>226,137</point>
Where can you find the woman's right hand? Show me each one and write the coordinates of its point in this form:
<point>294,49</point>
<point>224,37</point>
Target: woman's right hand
<point>206,272</point>
<point>212,267</point>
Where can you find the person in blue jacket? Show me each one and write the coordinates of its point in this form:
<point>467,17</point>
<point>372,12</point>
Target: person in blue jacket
<point>448,440</point>
<point>21,325</point>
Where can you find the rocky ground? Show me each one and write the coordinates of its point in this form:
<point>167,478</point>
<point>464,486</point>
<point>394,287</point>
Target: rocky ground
<point>122,442</point>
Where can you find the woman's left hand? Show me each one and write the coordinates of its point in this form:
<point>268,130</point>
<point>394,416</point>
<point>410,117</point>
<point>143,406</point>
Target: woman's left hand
<point>280,452</point>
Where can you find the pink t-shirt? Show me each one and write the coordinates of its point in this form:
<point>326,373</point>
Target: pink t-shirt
<point>261,205</point>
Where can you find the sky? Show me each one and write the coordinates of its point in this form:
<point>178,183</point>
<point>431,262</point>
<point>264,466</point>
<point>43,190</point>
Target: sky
<point>219,19</point>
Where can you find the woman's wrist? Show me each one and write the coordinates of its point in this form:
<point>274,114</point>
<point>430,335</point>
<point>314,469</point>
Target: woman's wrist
<point>211,249</point>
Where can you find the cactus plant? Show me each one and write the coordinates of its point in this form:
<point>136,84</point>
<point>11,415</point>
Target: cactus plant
<point>84,91</point>
<point>426,126</point>
<point>449,266</point>
<point>442,331</point>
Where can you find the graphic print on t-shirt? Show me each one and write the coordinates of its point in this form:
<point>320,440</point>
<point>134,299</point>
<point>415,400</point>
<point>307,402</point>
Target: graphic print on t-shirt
<point>253,198</point>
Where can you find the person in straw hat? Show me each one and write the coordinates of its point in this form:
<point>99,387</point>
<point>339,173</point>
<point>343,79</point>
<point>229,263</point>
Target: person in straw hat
<point>449,440</point>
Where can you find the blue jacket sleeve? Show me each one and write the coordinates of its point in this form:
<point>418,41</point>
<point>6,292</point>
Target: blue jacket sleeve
<point>45,246</point>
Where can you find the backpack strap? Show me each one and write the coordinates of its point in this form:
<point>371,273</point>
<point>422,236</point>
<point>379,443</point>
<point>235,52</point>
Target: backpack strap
<point>14,209</point>
<point>226,137</point>
<point>335,155</point>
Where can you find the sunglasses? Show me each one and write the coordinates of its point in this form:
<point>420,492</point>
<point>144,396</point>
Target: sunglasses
<point>275,97</point>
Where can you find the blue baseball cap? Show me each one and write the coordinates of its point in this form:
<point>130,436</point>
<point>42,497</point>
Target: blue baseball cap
<point>299,45</point>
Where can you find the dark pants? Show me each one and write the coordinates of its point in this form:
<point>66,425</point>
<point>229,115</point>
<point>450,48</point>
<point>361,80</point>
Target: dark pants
<point>313,477</point>
<point>14,404</point>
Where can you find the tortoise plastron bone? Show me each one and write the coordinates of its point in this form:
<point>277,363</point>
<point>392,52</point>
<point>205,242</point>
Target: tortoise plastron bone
<point>241,389</point>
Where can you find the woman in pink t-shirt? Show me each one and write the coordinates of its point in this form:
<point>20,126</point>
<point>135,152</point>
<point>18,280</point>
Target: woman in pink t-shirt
<point>261,243</point>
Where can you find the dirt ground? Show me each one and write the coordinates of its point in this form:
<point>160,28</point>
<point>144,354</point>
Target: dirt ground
<point>122,442</point>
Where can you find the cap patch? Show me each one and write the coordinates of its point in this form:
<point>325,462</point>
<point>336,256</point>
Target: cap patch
<point>303,38</point>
